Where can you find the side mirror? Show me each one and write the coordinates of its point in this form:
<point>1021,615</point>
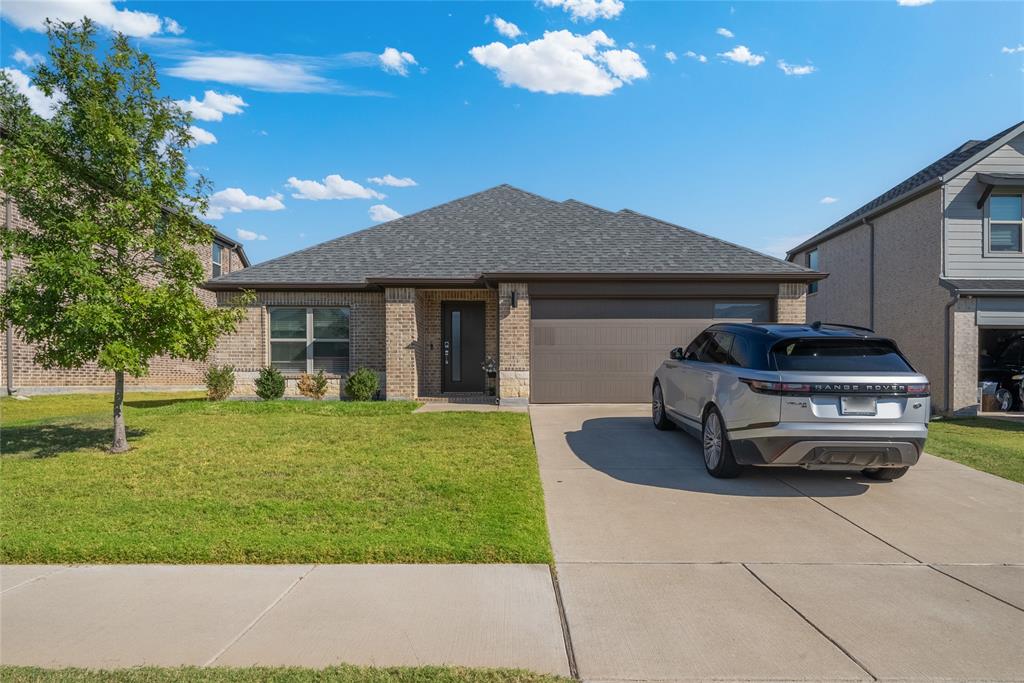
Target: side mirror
<point>676,353</point>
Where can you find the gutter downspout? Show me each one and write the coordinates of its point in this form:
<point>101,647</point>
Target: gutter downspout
<point>9,332</point>
<point>947,384</point>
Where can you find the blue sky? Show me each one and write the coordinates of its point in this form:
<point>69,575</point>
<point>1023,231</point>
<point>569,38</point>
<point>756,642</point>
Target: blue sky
<point>793,103</point>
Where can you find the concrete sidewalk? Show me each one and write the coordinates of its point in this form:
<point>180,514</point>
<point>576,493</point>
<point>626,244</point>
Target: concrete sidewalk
<point>298,615</point>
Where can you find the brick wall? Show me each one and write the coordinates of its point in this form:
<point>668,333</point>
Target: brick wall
<point>428,323</point>
<point>400,340</point>
<point>514,341</point>
<point>791,303</point>
<point>163,371</point>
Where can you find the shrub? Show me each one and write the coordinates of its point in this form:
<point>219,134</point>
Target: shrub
<point>362,385</point>
<point>313,386</point>
<point>220,382</point>
<point>270,384</point>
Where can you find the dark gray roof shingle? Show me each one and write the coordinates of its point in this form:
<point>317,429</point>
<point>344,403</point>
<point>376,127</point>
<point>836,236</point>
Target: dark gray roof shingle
<point>987,285</point>
<point>508,230</point>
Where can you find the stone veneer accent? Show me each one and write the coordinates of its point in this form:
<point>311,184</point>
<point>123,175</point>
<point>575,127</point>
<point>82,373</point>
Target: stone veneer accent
<point>401,348</point>
<point>791,303</point>
<point>964,352</point>
<point>513,341</point>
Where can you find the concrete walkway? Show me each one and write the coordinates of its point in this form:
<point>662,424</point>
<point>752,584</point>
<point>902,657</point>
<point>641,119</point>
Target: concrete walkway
<point>669,574</point>
<point>297,615</point>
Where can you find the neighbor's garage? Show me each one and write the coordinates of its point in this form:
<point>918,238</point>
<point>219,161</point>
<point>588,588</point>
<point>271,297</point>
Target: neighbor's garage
<point>605,350</point>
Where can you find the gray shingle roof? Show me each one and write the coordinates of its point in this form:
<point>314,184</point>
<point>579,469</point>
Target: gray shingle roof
<point>508,230</point>
<point>918,181</point>
<point>982,286</point>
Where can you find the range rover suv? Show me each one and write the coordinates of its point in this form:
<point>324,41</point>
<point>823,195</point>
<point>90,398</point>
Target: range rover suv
<point>815,396</point>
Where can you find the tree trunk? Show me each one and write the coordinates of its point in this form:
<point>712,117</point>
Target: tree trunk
<point>120,444</point>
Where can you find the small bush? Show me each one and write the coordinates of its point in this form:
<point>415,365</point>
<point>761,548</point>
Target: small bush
<point>313,386</point>
<point>362,385</point>
<point>270,384</point>
<point>220,382</point>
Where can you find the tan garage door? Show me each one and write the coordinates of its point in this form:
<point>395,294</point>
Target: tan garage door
<point>606,350</point>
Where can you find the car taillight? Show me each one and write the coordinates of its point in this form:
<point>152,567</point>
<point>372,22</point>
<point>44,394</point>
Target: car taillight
<point>763,387</point>
<point>917,389</point>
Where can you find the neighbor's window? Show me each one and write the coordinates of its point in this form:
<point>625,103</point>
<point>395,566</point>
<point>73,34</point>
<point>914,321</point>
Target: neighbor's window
<point>1006,223</point>
<point>812,263</point>
<point>310,339</point>
<point>217,249</point>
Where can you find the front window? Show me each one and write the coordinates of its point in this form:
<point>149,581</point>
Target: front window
<point>217,249</point>
<point>310,339</point>
<point>1006,223</point>
<point>812,263</point>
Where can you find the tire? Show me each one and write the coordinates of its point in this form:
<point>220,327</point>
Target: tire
<point>661,420</point>
<point>718,457</point>
<point>885,473</point>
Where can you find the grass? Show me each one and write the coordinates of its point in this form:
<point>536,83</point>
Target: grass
<point>340,674</point>
<point>266,482</point>
<point>994,446</point>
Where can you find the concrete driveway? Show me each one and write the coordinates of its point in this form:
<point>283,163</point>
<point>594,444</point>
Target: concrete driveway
<point>668,574</point>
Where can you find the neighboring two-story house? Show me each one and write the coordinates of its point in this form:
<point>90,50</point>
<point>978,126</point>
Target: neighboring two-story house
<point>20,373</point>
<point>936,262</point>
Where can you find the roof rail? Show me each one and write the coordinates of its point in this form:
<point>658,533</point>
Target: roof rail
<point>817,325</point>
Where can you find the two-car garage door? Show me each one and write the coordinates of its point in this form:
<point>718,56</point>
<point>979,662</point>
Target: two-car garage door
<point>606,350</point>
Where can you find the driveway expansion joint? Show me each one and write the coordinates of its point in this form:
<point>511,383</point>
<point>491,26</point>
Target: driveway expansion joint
<point>566,634</point>
<point>980,590</point>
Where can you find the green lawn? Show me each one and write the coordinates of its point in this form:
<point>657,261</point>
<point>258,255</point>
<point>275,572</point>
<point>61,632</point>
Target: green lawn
<point>282,481</point>
<point>995,446</point>
<point>340,674</point>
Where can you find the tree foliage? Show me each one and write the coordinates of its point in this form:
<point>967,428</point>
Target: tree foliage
<point>110,267</point>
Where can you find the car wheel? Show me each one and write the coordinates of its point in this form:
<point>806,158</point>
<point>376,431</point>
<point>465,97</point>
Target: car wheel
<point>718,457</point>
<point>661,420</point>
<point>885,473</point>
<point>1005,399</point>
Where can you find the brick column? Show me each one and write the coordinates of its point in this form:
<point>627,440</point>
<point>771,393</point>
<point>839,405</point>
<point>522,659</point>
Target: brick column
<point>964,356</point>
<point>791,303</point>
<point>400,343</point>
<point>513,343</point>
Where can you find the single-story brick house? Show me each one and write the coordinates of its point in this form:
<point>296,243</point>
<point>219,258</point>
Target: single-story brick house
<point>572,303</point>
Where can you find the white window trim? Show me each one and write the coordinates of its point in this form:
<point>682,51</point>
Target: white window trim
<point>217,250</point>
<point>986,237</point>
<point>309,335</point>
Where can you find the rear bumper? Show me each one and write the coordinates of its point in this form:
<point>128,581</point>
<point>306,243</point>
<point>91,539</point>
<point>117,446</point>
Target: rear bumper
<point>824,445</point>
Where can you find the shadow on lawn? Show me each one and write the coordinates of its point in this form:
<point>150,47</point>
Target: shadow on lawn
<point>47,441</point>
<point>160,402</point>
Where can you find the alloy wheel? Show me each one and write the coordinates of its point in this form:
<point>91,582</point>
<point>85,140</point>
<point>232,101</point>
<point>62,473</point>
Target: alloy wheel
<point>712,440</point>
<point>657,404</point>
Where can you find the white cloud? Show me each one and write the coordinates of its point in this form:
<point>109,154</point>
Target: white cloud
<point>392,181</point>
<point>671,56</point>
<point>505,28</point>
<point>796,69</point>
<point>396,62</point>
<point>1005,50</point>
<point>725,33</point>
<point>741,54</point>
<point>259,72</point>
<point>913,3</point>
<point>173,27</point>
<point>235,200</point>
<point>249,235</point>
<point>32,14</point>
<point>563,62</point>
<point>779,246</point>
<point>201,136</point>
<point>828,200</point>
<point>588,10</point>
<point>22,57</point>
<point>693,55</point>
<point>213,106</point>
<point>40,104</point>
<point>332,187</point>
<point>381,212</point>
<point>459,64</point>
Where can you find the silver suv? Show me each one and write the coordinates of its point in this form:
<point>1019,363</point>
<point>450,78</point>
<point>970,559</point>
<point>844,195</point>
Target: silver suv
<point>815,396</point>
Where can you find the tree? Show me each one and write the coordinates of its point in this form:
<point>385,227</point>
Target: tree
<point>110,268</point>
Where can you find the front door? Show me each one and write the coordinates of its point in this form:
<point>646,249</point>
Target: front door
<point>462,346</point>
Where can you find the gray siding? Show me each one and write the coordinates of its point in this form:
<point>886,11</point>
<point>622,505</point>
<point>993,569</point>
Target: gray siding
<point>845,296</point>
<point>965,222</point>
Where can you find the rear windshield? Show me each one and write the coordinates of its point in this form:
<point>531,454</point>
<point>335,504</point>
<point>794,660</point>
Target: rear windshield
<point>838,355</point>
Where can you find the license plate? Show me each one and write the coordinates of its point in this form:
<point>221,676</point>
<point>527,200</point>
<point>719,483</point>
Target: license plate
<point>858,405</point>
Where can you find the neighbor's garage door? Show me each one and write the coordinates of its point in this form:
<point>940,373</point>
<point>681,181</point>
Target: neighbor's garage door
<point>606,350</point>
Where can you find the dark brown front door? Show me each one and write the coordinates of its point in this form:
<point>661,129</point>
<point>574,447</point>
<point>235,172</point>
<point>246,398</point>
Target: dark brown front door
<point>462,347</point>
